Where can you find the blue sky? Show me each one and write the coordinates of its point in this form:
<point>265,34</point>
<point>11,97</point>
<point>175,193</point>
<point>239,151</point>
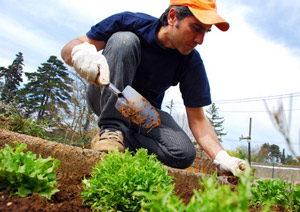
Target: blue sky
<point>277,20</point>
<point>258,57</point>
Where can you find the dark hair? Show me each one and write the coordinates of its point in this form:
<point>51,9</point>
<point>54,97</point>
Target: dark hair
<point>182,12</point>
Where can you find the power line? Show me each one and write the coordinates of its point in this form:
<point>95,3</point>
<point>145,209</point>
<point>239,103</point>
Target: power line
<point>180,105</point>
<point>236,140</point>
<point>254,111</point>
<point>252,99</point>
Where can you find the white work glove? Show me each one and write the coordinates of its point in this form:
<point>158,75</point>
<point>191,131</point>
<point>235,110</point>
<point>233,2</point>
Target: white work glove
<point>227,164</point>
<point>89,64</point>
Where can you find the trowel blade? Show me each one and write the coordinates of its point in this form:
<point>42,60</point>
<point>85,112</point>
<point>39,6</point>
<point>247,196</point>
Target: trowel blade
<point>137,109</point>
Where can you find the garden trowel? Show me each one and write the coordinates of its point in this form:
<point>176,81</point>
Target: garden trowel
<point>135,107</point>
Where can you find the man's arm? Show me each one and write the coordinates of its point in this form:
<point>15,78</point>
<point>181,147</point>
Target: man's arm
<point>67,49</point>
<point>208,140</point>
<point>203,131</point>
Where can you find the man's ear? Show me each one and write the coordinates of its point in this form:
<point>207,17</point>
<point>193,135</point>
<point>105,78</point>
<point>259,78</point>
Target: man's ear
<point>172,17</point>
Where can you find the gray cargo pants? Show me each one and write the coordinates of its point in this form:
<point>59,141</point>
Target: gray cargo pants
<point>168,141</point>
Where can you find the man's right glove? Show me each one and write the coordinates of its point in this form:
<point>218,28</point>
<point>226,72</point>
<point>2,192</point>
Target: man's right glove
<point>89,64</point>
<point>227,164</point>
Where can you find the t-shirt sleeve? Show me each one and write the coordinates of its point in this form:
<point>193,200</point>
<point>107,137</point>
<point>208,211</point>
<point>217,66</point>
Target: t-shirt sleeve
<point>194,85</point>
<point>105,28</point>
<point>125,21</point>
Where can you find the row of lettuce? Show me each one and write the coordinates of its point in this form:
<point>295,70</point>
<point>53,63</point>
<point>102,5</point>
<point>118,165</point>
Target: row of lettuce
<point>138,182</point>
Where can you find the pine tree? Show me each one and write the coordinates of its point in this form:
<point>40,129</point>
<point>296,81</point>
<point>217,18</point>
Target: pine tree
<point>12,77</point>
<point>216,121</point>
<point>47,90</point>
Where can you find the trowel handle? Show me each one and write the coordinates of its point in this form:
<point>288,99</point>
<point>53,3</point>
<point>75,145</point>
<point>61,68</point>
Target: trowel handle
<point>111,87</point>
<point>114,89</point>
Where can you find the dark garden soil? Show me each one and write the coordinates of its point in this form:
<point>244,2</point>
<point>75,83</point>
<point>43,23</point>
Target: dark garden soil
<point>67,199</point>
<point>75,164</point>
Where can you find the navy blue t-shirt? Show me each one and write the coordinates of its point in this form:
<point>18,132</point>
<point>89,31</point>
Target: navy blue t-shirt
<point>160,67</point>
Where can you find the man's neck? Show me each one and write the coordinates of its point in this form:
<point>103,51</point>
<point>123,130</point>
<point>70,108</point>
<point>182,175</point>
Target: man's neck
<point>162,35</point>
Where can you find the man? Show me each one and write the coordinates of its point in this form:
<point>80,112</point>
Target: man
<point>151,55</point>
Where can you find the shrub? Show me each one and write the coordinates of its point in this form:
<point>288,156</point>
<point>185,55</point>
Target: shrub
<point>16,123</point>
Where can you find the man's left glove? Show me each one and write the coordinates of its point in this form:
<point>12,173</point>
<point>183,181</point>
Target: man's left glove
<point>227,164</point>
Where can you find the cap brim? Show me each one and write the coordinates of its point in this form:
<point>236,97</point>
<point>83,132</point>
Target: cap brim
<point>211,18</point>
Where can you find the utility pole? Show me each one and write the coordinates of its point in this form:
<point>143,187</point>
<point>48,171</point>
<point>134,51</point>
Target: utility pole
<point>249,141</point>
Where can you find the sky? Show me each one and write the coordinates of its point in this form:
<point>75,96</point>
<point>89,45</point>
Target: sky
<point>255,64</point>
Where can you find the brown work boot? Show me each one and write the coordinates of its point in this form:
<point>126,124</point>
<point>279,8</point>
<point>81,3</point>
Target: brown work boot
<point>109,140</point>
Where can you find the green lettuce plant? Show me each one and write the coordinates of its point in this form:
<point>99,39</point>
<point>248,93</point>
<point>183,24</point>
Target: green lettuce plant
<point>162,200</point>
<point>278,191</point>
<point>210,198</point>
<point>296,198</point>
<point>115,180</point>
<point>217,197</point>
<point>24,174</point>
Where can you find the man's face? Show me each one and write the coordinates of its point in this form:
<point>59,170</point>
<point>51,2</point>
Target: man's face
<point>187,33</point>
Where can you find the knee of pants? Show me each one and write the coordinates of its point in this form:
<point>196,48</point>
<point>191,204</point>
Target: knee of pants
<point>125,41</point>
<point>184,160</point>
<point>124,37</point>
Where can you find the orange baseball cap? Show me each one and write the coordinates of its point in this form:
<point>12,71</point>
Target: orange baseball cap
<point>205,11</point>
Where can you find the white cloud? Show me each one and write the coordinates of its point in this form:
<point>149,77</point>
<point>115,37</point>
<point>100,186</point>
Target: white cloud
<point>21,36</point>
<point>5,62</point>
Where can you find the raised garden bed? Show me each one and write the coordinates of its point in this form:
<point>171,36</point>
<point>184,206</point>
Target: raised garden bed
<point>75,164</point>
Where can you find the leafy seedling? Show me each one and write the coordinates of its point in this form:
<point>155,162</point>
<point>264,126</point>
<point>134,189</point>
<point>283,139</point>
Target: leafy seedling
<point>24,174</point>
